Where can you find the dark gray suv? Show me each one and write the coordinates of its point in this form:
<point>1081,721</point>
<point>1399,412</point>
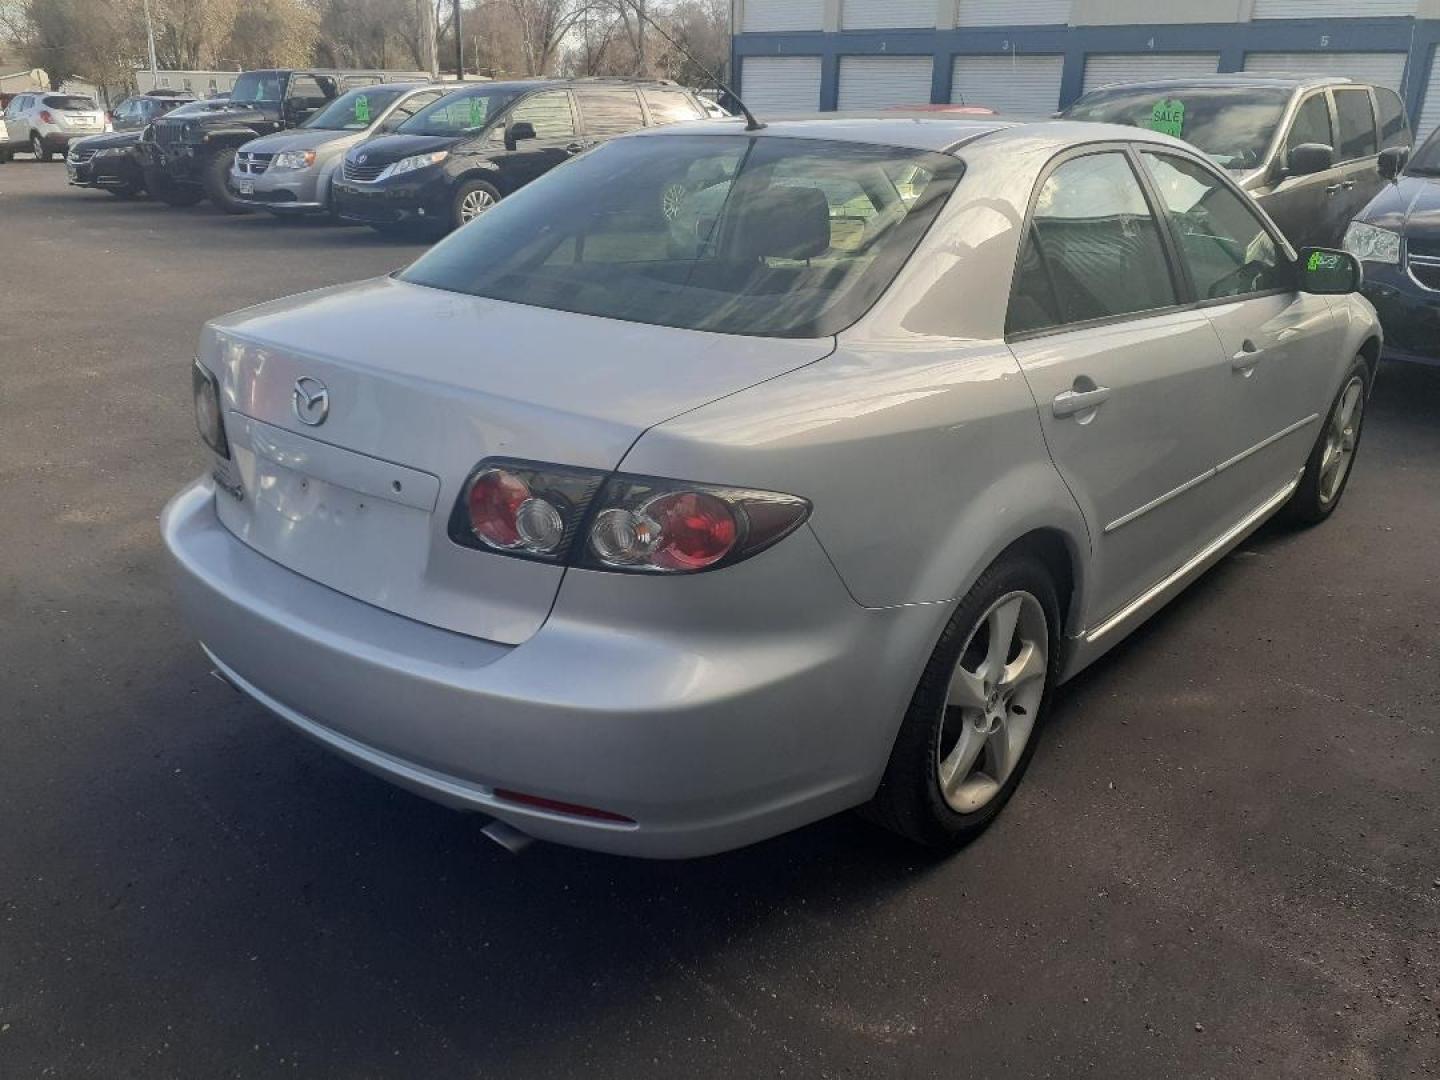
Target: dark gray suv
<point>1308,148</point>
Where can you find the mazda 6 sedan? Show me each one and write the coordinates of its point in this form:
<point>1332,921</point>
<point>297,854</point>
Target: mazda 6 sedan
<point>725,479</point>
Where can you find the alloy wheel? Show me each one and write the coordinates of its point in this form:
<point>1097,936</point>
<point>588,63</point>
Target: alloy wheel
<point>993,701</point>
<point>475,203</point>
<point>1341,437</point>
<point>37,146</point>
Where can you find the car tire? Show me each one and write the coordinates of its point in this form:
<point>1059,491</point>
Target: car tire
<point>472,198</point>
<point>38,148</point>
<point>967,738</point>
<point>1332,460</point>
<point>216,180</point>
<point>167,191</point>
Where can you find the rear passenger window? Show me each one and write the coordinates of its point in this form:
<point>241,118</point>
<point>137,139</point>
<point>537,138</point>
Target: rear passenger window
<point>1312,125</point>
<point>1225,247</point>
<point>1092,249</point>
<point>671,106</point>
<point>1394,129</point>
<point>1357,124</point>
<point>549,112</point>
<point>609,112</point>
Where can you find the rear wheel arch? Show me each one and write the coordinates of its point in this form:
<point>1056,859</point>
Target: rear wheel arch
<point>1060,555</point>
<point>1370,350</point>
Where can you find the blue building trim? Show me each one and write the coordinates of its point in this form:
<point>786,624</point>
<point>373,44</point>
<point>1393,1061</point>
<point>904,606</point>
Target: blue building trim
<point>1419,39</point>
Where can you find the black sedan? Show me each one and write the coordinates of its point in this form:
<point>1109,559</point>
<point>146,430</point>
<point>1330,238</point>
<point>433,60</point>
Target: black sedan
<point>1397,237</point>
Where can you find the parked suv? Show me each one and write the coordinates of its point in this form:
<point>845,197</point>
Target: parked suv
<point>1306,147</point>
<point>454,160</point>
<point>290,172</point>
<point>42,123</point>
<point>190,157</point>
<point>112,161</point>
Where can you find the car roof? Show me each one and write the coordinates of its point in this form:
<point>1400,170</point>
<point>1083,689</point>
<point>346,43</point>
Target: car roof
<point>939,132</point>
<point>596,80</point>
<point>1237,79</point>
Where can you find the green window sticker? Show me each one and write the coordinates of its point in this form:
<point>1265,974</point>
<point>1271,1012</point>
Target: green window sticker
<point>1321,261</point>
<point>1168,118</point>
<point>362,109</point>
<point>477,111</point>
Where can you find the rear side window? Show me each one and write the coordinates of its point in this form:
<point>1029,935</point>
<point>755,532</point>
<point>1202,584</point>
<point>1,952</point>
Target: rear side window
<point>1092,249</point>
<point>671,106</point>
<point>549,112</point>
<point>1225,247</point>
<point>1357,124</point>
<point>609,112</point>
<point>1394,128</point>
<point>1312,125</point>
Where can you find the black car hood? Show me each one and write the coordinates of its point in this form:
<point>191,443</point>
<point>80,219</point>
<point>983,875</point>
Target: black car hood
<point>227,116</point>
<point>1411,207</point>
<point>107,141</point>
<point>388,148</point>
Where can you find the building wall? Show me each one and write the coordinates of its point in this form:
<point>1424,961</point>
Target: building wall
<point>1223,27</point>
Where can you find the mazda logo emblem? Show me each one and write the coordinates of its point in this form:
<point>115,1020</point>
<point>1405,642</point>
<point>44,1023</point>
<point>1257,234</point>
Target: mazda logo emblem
<point>311,401</point>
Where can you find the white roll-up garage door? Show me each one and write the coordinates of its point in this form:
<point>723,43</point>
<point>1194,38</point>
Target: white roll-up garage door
<point>1013,13</point>
<point>1332,9</point>
<point>770,15</point>
<point>1430,108</point>
<point>1024,85</point>
<point>1382,69</point>
<point>1108,69</point>
<point>887,14</point>
<point>875,82</point>
<point>774,85</point>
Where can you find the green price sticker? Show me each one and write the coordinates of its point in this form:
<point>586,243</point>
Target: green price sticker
<point>362,109</point>
<point>477,111</point>
<point>1168,118</point>
<point>1320,261</point>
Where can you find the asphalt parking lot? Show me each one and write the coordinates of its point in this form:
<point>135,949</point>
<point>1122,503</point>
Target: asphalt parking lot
<point>1225,861</point>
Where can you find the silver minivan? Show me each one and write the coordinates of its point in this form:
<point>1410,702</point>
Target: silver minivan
<point>723,479</point>
<point>289,172</point>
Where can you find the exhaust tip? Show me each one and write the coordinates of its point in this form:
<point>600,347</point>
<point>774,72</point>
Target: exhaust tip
<point>507,836</point>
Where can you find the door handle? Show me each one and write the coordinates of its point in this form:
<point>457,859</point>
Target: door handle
<point>574,148</point>
<point>1334,189</point>
<point>1070,402</point>
<point>1349,185</point>
<point>1245,360</point>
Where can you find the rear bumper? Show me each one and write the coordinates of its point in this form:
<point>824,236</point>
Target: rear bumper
<point>1409,313</point>
<point>709,733</point>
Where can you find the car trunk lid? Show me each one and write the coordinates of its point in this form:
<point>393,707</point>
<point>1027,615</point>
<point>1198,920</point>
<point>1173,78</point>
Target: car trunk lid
<point>405,389</point>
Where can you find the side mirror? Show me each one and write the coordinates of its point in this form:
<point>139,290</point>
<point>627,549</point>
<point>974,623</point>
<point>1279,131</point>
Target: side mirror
<point>517,130</point>
<point>1327,272</point>
<point>1392,162</point>
<point>1307,159</point>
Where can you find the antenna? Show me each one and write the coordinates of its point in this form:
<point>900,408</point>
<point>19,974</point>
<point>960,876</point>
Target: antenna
<point>751,124</point>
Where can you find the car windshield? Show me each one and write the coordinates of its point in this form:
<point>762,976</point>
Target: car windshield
<point>70,101</point>
<point>458,113</point>
<point>264,86</point>
<point>193,108</point>
<point>356,110</point>
<point>727,233</point>
<point>1233,124</point>
<point>1426,161</point>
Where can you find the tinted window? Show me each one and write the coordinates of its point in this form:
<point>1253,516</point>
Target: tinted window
<point>726,233</point>
<point>671,106</point>
<point>1225,247</point>
<point>255,86</point>
<point>457,113</point>
<point>1092,249</point>
<point>549,112</point>
<point>1234,125</point>
<point>356,110</point>
<point>1357,124</point>
<point>305,88</point>
<point>609,112</point>
<point>1426,161</point>
<point>1394,128</point>
<point>1311,125</point>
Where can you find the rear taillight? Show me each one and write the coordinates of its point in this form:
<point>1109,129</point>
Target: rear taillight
<point>615,522</point>
<point>207,410</point>
<point>45,117</point>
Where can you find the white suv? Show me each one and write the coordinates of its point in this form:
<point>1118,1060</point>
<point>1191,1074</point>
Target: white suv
<point>45,123</point>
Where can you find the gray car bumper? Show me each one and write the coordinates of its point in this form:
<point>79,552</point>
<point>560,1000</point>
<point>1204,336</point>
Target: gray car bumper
<point>765,700</point>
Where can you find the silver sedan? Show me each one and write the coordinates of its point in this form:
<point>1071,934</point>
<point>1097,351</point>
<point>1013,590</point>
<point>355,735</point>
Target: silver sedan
<point>725,479</point>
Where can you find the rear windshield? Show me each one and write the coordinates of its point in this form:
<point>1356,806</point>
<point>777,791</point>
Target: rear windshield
<point>70,101</point>
<point>356,110</point>
<point>458,113</point>
<point>253,86</point>
<point>1233,124</point>
<point>1426,161</point>
<point>728,233</point>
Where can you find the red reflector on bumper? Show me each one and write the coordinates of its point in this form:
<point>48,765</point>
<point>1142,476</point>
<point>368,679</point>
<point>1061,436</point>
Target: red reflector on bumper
<point>557,807</point>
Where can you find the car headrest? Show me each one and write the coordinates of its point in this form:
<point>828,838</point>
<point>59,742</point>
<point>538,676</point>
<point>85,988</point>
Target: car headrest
<point>784,223</point>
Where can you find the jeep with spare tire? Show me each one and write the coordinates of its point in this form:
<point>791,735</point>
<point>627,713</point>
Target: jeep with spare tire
<point>187,159</point>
